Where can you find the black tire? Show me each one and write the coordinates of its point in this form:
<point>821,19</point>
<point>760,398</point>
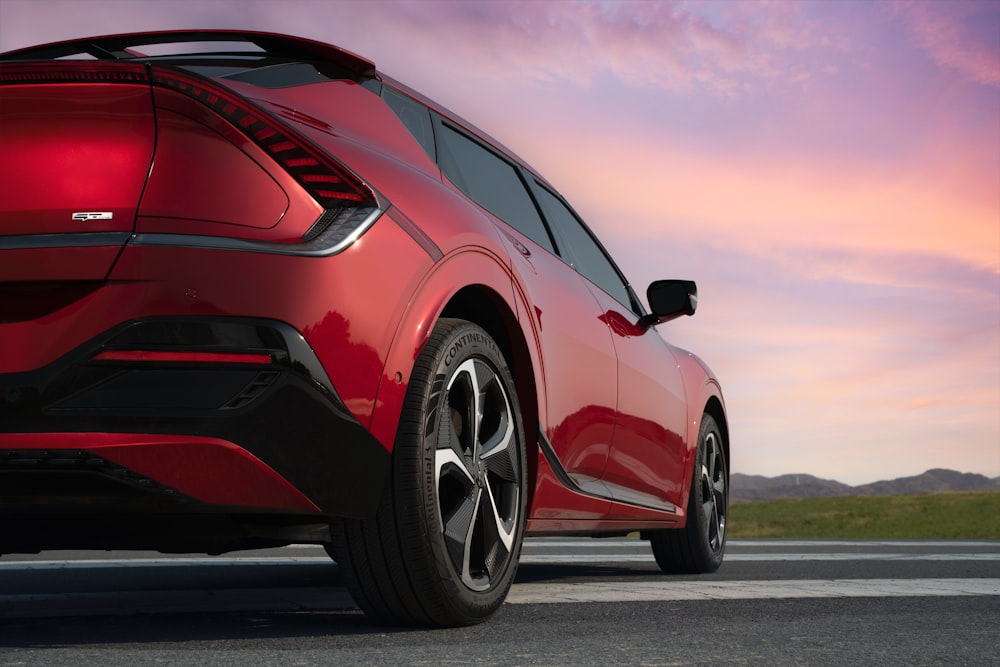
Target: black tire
<point>444,546</point>
<point>701,544</point>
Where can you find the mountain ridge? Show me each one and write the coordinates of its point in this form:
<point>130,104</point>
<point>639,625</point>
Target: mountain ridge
<point>752,488</point>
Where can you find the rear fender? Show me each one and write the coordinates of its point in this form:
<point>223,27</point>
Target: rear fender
<point>463,267</point>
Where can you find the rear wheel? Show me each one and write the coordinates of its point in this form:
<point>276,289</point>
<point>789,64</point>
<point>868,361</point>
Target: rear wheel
<point>444,546</point>
<point>701,544</point>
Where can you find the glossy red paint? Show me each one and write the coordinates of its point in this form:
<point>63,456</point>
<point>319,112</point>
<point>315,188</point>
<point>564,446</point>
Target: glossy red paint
<point>579,399</point>
<point>651,451</point>
<point>89,152</point>
<point>224,186</point>
<point>40,263</point>
<point>219,190</point>
<point>208,469</point>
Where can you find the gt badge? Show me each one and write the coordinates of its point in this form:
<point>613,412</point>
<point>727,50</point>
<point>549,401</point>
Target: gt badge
<point>98,215</point>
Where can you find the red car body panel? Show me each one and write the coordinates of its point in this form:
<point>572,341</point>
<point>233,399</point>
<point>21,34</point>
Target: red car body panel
<point>207,469</point>
<point>165,306</point>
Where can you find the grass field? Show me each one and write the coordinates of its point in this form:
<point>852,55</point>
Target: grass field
<point>964,515</point>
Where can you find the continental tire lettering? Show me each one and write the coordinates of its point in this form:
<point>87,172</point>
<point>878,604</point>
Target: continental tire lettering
<point>466,339</point>
<point>433,401</point>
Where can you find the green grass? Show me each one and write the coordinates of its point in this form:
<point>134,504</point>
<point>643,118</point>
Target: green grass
<point>964,515</point>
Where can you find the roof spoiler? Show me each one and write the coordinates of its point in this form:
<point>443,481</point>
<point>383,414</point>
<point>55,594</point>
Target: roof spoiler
<point>123,47</point>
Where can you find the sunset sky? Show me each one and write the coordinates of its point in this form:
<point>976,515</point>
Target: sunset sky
<point>828,172</point>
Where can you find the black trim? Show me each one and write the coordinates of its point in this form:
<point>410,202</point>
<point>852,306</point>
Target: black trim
<point>77,476</point>
<point>557,467</point>
<point>416,233</point>
<point>566,480</point>
<point>70,240</point>
<point>200,529</point>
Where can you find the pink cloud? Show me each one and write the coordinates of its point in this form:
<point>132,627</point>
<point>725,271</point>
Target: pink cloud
<point>961,36</point>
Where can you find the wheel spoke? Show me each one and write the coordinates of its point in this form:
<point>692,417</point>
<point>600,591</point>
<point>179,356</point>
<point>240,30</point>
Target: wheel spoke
<point>714,529</point>
<point>458,531</point>
<point>446,459</point>
<point>500,453</point>
<point>463,398</point>
<point>707,501</point>
<point>501,521</point>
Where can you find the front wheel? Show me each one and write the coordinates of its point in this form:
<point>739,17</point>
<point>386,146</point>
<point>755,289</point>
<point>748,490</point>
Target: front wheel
<point>444,546</point>
<point>701,544</point>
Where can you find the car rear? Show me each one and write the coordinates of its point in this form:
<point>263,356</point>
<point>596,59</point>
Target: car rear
<point>191,339</point>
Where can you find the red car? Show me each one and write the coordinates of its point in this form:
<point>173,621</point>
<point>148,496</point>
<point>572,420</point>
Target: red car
<point>253,292</point>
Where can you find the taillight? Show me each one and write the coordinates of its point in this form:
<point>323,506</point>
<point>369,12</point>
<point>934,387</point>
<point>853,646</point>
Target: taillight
<point>327,182</point>
<point>183,356</point>
<point>349,205</point>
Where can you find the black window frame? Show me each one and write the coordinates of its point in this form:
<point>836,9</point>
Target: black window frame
<point>570,257</point>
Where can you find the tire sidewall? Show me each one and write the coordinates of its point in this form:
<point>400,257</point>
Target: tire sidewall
<point>461,341</point>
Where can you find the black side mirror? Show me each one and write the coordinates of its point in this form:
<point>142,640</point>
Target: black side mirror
<point>669,299</point>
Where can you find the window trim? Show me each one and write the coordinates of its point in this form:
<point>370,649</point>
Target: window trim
<point>570,258</point>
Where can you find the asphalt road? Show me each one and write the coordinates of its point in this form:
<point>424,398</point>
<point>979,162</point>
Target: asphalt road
<point>576,602</point>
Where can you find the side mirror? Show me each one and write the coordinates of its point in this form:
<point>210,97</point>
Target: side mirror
<point>669,299</point>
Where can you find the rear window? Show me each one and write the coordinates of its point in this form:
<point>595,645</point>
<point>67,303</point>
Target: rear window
<point>284,75</point>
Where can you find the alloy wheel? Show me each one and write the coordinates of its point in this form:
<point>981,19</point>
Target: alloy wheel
<point>477,473</point>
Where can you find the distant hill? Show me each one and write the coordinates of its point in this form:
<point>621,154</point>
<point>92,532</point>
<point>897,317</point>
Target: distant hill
<point>749,488</point>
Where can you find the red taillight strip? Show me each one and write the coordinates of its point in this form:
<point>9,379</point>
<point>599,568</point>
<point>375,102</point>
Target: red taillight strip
<point>175,357</point>
<point>75,72</point>
<point>328,183</point>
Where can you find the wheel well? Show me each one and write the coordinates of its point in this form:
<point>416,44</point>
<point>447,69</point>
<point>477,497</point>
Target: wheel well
<point>715,409</point>
<point>483,306</point>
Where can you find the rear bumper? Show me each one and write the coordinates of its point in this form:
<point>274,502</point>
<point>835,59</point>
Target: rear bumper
<point>231,416</point>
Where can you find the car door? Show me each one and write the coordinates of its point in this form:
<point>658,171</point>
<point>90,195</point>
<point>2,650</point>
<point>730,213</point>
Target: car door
<point>646,464</point>
<point>578,360</point>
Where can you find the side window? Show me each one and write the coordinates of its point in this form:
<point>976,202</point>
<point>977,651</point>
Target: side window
<point>584,253</point>
<point>491,182</point>
<point>415,116</point>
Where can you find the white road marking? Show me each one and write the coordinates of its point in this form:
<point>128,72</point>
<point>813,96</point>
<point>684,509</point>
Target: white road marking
<point>732,558</point>
<point>599,543</point>
<point>658,591</point>
<point>539,551</point>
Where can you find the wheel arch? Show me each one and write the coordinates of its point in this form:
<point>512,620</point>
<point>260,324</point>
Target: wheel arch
<point>704,396</point>
<point>717,411</point>
<point>487,309</point>
<point>488,302</point>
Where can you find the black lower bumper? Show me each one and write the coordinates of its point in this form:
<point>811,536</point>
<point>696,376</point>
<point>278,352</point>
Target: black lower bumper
<point>284,412</point>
